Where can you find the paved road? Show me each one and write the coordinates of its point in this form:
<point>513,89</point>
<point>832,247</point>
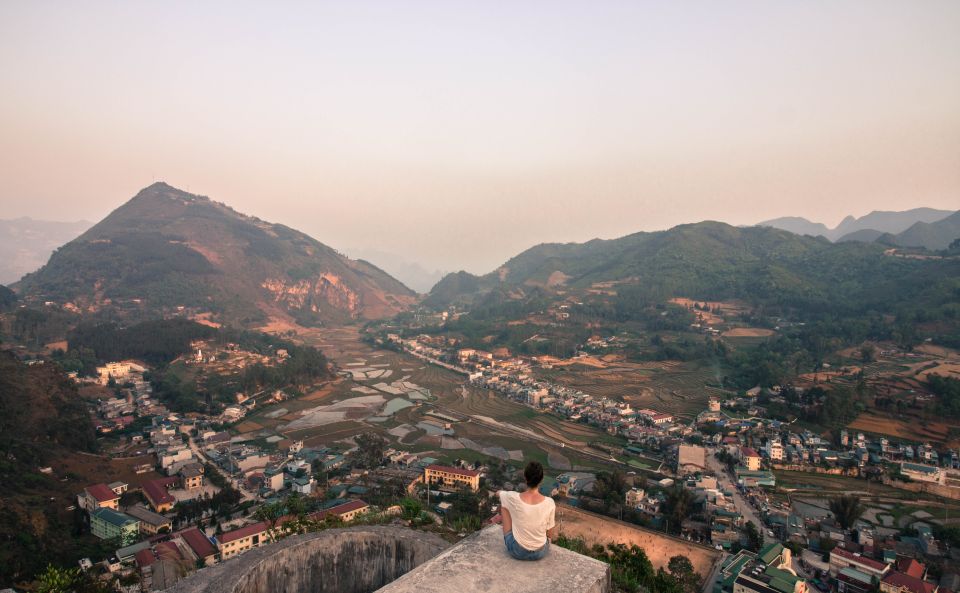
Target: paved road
<point>741,504</point>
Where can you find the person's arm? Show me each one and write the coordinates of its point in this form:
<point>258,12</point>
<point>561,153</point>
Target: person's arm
<point>553,530</point>
<point>505,520</point>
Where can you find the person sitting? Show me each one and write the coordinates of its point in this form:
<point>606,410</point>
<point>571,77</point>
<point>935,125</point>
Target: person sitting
<point>528,517</point>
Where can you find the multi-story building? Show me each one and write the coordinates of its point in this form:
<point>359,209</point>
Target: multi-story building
<point>851,580</point>
<point>98,496</point>
<point>898,582</point>
<point>191,476</point>
<point>118,371</point>
<point>107,523</point>
<point>346,512</point>
<point>150,523</point>
<point>157,494</point>
<point>634,497</point>
<point>841,558</point>
<point>200,544</point>
<point>775,450</point>
<point>245,538</point>
<point>767,571</point>
<point>919,472</point>
<point>451,478</point>
<point>750,458</point>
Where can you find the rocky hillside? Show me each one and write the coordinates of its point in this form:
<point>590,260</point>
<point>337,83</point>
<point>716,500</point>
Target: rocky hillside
<point>167,250</point>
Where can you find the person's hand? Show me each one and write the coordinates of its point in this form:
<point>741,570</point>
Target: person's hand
<point>497,519</point>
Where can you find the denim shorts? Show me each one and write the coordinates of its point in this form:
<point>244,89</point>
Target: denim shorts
<point>521,553</point>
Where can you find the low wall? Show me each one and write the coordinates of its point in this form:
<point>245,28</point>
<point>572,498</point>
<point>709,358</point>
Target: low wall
<point>349,560</point>
<point>597,529</point>
<point>936,489</point>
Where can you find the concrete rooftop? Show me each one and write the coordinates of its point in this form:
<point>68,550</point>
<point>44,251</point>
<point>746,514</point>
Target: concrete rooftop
<point>480,563</point>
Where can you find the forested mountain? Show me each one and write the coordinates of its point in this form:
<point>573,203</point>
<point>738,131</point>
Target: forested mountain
<point>166,249</point>
<point>26,244</point>
<point>934,235</point>
<point>877,223</point>
<point>712,260</point>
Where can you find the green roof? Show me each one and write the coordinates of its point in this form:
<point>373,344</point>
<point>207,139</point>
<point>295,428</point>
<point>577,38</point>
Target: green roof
<point>113,517</point>
<point>769,552</point>
<point>781,580</point>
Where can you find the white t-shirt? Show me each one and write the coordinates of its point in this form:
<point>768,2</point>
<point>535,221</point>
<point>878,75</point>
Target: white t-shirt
<point>530,521</point>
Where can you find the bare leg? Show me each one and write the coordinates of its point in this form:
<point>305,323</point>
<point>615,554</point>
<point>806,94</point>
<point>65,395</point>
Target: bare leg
<point>506,521</point>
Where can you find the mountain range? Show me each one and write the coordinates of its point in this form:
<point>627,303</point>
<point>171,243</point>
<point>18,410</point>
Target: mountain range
<point>26,244</point>
<point>168,250</point>
<point>709,260</point>
<point>411,273</point>
<point>895,227</point>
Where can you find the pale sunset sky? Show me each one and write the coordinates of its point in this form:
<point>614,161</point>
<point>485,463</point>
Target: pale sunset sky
<point>456,134</point>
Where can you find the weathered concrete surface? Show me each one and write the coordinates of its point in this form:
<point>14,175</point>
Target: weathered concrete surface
<point>349,560</point>
<point>480,563</point>
<point>660,547</point>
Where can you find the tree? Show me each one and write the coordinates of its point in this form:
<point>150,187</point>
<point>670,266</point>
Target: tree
<point>296,505</point>
<point>370,448</point>
<point>867,352</point>
<point>677,508</point>
<point>846,509</point>
<point>681,569</point>
<point>270,512</point>
<point>754,537</point>
<point>411,508</point>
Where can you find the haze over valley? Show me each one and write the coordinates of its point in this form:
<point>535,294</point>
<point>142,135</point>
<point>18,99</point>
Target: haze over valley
<point>599,297</point>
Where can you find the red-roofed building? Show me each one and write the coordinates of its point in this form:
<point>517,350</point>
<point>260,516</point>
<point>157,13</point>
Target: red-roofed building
<point>898,582</point>
<point>750,458</point>
<point>240,540</point>
<point>200,544</point>
<point>451,478</point>
<point>144,558</point>
<point>157,493</point>
<point>346,512</point>
<point>911,567</point>
<point>841,558</point>
<point>98,496</point>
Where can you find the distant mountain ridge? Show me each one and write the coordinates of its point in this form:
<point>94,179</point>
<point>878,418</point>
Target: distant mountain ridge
<point>26,244</point>
<point>929,235</point>
<point>168,249</point>
<point>706,260</point>
<point>879,221</point>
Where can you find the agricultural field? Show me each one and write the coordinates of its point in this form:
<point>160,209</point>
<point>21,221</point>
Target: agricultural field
<point>909,429</point>
<point>670,386</point>
<point>886,506</point>
<point>394,394</point>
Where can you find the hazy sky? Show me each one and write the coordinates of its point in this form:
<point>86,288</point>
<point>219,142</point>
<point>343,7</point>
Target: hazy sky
<point>459,133</point>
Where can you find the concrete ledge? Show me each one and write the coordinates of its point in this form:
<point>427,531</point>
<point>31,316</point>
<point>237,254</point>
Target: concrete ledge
<point>348,560</point>
<point>481,563</point>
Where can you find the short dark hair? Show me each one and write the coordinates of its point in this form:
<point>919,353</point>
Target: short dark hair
<point>533,474</point>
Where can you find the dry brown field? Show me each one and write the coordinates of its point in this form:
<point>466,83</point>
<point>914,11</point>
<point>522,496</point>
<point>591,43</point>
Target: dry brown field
<point>595,529</point>
<point>748,332</point>
<point>946,369</point>
<point>905,428</point>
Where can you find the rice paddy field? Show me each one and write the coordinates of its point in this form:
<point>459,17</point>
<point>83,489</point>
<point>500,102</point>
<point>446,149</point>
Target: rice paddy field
<point>400,397</point>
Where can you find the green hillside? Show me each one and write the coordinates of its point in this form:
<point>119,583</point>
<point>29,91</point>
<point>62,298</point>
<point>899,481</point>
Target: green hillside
<point>712,260</point>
